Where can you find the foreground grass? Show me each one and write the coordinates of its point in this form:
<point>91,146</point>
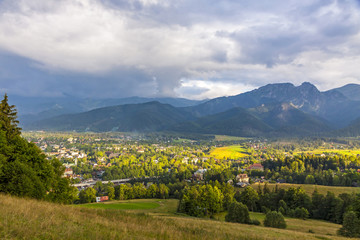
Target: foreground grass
<point>309,188</point>
<point>30,219</point>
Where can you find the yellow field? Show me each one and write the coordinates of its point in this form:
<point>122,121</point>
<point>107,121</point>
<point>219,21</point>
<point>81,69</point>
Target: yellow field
<point>231,152</point>
<point>320,151</point>
<point>309,189</point>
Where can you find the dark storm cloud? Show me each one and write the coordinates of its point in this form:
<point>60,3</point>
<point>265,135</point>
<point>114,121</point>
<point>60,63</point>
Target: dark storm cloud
<point>108,48</point>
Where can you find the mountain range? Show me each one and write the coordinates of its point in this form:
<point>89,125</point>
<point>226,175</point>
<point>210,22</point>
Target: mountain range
<point>280,109</point>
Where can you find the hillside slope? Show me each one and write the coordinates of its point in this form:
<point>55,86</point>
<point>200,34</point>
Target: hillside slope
<point>30,219</point>
<point>151,116</point>
<point>280,119</point>
<point>288,120</point>
<point>234,122</point>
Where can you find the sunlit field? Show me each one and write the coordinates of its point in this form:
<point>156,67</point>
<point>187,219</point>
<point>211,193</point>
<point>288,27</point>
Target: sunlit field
<point>319,151</point>
<point>309,188</point>
<point>231,152</point>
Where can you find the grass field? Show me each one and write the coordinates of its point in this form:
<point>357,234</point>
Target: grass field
<point>31,219</point>
<point>123,206</point>
<point>151,206</point>
<point>319,151</point>
<point>298,225</point>
<point>231,152</point>
<point>309,189</point>
<point>229,138</point>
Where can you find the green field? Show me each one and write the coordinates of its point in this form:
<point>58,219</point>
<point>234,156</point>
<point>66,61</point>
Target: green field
<point>309,189</point>
<point>31,219</point>
<point>229,138</point>
<point>151,206</point>
<point>319,151</point>
<point>123,206</point>
<point>231,152</point>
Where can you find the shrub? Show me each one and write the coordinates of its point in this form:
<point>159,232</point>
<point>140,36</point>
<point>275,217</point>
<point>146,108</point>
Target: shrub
<point>254,222</point>
<point>282,210</point>
<point>301,213</point>
<point>274,219</point>
<point>351,225</point>
<point>264,209</point>
<point>238,213</point>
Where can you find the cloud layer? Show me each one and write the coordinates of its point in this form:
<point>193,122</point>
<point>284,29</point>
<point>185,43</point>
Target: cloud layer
<point>195,49</point>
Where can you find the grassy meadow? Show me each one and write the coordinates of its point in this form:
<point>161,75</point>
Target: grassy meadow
<point>31,219</point>
<point>319,151</point>
<point>229,138</point>
<point>232,152</point>
<point>298,225</point>
<point>150,206</point>
<point>309,188</point>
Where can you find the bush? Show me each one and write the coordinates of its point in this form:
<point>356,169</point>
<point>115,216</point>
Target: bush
<point>351,225</point>
<point>254,222</point>
<point>282,210</point>
<point>264,209</point>
<point>238,213</point>
<point>274,219</point>
<point>290,213</point>
<point>301,213</point>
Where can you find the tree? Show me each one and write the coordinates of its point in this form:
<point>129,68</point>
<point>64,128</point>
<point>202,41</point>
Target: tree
<point>309,179</point>
<point>301,213</point>
<point>8,119</point>
<point>228,192</point>
<point>351,225</point>
<point>111,192</point>
<point>88,195</point>
<point>238,213</point>
<point>163,191</point>
<point>275,220</point>
<point>249,197</point>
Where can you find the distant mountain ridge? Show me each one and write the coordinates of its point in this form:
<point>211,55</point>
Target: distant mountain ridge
<point>32,109</point>
<point>275,109</point>
<point>150,116</point>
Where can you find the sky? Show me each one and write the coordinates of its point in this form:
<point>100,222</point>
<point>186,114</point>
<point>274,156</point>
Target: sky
<point>181,48</point>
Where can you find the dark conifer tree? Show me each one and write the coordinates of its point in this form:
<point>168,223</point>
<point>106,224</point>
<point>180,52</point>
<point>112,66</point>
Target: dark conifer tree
<point>8,119</point>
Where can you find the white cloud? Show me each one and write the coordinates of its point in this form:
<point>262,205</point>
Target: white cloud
<point>226,45</point>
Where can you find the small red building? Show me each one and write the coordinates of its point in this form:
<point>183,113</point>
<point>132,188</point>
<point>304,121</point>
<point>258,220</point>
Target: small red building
<point>102,199</point>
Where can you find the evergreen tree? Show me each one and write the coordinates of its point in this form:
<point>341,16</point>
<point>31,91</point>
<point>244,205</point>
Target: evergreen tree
<point>8,119</point>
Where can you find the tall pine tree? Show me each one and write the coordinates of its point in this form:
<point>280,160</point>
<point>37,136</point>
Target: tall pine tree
<point>8,119</point>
